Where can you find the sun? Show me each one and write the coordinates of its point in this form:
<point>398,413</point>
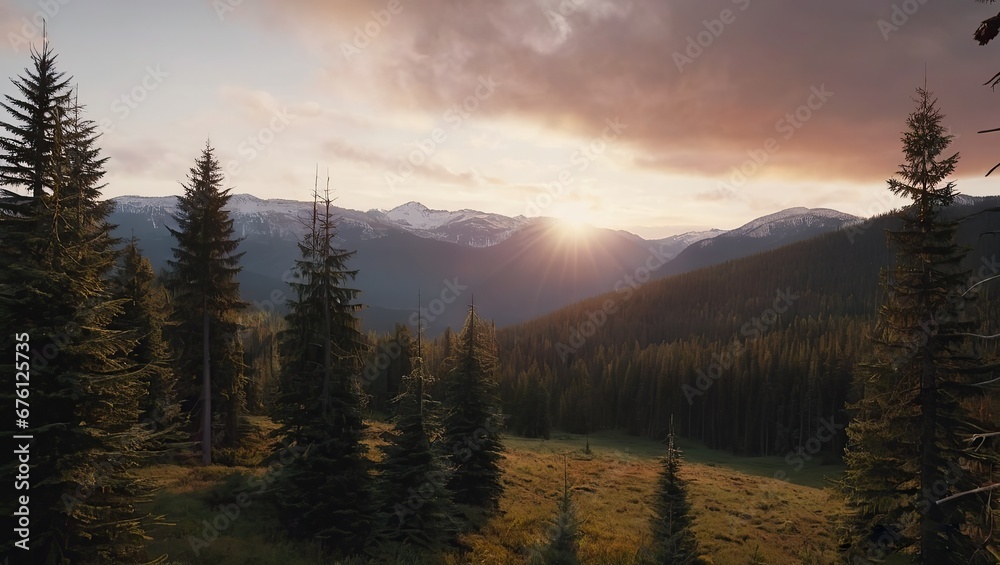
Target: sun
<point>572,226</point>
<point>571,220</point>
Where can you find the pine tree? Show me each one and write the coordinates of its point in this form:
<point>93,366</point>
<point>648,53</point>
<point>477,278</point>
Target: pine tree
<point>416,506</point>
<point>907,447</point>
<point>673,538</point>
<point>82,403</point>
<point>564,535</point>
<point>143,316</point>
<point>206,298</point>
<point>472,421</point>
<point>326,494</point>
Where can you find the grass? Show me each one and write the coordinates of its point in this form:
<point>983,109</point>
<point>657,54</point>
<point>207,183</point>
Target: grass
<point>742,514</point>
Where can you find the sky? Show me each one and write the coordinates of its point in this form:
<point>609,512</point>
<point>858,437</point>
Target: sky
<point>653,116</point>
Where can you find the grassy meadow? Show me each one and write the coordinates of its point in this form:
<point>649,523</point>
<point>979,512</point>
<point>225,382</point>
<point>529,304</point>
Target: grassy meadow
<point>742,514</point>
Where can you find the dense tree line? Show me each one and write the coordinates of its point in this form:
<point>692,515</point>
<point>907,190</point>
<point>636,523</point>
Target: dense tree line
<point>753,355</point>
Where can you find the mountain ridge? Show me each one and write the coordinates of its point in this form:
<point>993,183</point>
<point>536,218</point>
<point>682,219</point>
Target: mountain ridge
<point>518,268</point>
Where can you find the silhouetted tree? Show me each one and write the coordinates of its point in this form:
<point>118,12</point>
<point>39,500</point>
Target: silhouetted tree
<point>416,505</point>
<point>908,451</point>
<point>472,421</point>
<point>564,532</point>
<point>202,278</point>
<point>673,537</point>
<point>326,494</point>
<point>80,400</point>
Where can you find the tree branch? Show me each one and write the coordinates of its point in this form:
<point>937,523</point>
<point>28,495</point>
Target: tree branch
<point>986,280</point>
<point>980,336</point>
<point>973,491</point>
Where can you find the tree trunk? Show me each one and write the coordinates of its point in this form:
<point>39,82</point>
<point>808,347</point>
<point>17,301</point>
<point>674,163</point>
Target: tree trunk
<point>206,394</point>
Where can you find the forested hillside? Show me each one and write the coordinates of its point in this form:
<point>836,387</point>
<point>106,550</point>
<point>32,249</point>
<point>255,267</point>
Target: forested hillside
<point>753,355</point>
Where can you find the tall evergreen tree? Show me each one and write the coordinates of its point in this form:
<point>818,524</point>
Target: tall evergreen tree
<point>326,494</point>
<point>416,506</point>
<point>29,143</point>
<point>81,405</point>
<point>907,448</point>
<point>144,313</point>
<point>673,537</point>
<point>472,420</point>
<point>206,298</point>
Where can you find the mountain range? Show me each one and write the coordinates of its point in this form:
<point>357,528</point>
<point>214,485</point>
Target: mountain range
<point>515,268</point>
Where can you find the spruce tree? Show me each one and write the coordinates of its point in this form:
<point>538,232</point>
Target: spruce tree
<point>325,494</point>
<point>143,316</point>
<point>907,448</point>
<point>472,421</point>
<point>416,506</point>
<point>564,532</point>
<point>673,536</point>
<point>206,299</point>
<point>82,403</point>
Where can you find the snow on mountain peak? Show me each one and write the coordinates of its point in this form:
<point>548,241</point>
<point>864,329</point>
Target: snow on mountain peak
<point>791,217</point>
<point>418,216</point>
<point>283,217</point>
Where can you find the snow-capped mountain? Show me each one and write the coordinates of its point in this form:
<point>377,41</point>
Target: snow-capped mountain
<point>793,219</point>
<point>674,244</point>
<point>412,248</point>
<point>466,227</point>
<point>285,219</point>
<point>764,233</point>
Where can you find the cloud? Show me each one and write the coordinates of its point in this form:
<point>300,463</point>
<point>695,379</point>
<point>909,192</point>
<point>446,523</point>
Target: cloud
<point>388,164</point>
<point>143,157</point>
<point>20,29</point>
<point>698,86</point>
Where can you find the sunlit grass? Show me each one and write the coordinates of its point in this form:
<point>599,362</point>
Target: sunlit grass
<point>739,510</point>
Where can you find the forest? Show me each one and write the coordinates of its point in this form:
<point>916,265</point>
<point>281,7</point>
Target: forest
<point>869,350</point>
